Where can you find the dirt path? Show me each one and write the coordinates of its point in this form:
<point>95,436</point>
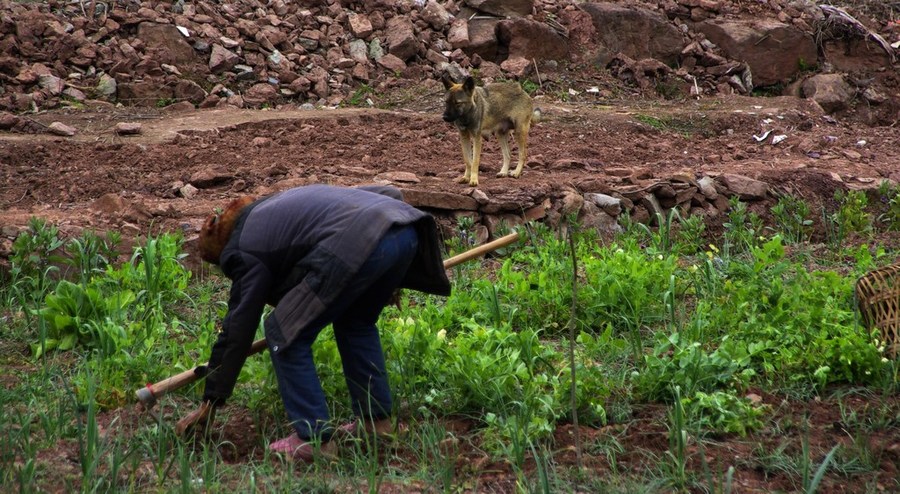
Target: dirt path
<point>587,147</point>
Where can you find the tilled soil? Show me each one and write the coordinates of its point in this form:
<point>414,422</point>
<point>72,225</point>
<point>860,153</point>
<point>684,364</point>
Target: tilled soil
<point>100,181</point>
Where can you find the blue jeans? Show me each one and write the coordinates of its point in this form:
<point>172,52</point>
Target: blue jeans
<point>353,316</point>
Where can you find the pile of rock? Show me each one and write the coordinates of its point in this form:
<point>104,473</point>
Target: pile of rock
<point>254,53</point>
<point>245,53</point>
<point>596,203</point>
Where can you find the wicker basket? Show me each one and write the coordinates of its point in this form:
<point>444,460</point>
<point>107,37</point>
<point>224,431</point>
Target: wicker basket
<point>878,296</point>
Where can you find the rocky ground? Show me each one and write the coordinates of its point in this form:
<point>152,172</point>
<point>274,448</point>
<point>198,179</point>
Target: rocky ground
<point>146,116</point>
<point>143,117</point>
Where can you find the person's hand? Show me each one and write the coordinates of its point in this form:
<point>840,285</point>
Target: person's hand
<point>198,420</point>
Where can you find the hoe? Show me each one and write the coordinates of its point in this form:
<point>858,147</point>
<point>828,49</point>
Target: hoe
<point>149,394</point>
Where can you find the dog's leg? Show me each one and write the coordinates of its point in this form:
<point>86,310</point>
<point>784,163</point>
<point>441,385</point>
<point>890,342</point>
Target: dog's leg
<point>503,137</point>
<point>522,141</point>
<point>466,143</point>
<point>476,159</point>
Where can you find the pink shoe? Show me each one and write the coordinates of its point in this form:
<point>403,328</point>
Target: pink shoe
<point>299,449</point>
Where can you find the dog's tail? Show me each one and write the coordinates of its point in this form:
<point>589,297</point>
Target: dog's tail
<point>536,116</point>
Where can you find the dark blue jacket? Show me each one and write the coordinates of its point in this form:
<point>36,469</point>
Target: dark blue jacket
<point>297,250</point>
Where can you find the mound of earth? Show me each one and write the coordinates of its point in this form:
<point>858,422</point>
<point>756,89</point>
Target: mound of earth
<point>119,121</point>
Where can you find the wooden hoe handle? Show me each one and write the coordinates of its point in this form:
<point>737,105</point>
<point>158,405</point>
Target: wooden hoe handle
<point>149,394</point>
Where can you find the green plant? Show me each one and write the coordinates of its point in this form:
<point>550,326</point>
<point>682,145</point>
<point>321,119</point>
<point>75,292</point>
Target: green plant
<point>810,481</point>
<point>530,86</point>
<point>891,217</point>
<point>690,234</point>
<point>164,102</point>
<point>792,217</point>
<point>723,412</point>
<point>851,215</point>
<point>678,436</point>
<point>83,315</point>
<point>742,229</point>
<point>360,95</point>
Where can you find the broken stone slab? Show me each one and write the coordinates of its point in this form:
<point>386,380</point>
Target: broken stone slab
<point>483,38</point>
<point>439,200</point>
<point>61,129</point>
<point>392,63</point>
<point>746,188</point>
<point>654,209</point>
<point>128,128</point>
<point>74,94</point>
<point>458,35</point>
<point>398,177</point>
<point>168,42</point>
<point>503,8</point>
<point>209,177</point>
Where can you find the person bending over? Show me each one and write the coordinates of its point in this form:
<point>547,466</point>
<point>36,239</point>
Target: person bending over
<point>320,255</point>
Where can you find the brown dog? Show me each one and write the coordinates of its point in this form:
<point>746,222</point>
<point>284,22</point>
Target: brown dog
<point>478,112</point>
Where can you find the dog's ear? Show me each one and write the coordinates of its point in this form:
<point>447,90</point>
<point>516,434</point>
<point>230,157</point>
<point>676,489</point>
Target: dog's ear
<point>448,82</point>
<point>469,85</point>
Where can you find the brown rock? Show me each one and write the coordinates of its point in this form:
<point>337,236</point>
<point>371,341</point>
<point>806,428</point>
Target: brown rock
<point>259,94</point>
<point>392,63</point>
<point>439,200</point>
<point>128,128</point>
<point>8,120</point>
<point>830,91</point>
<point>222,59</point>
<point>532,40</point>
<point>360,25</point>
<point>398,177</point>
<point>209,177</point>
<point>458,36</point>
<point>516,66</point>
<point>436,15</point>
<point>168,43</point>
<point>401,38</point>
<point>109,204</point>
<point>746,188</point>
<point>61,129</point>
<point>503,8</point>
<point>774,51</point>
<point>636,32</point>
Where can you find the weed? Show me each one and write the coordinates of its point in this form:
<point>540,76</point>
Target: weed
<point>792,217</point>
<point>360,96</point>
<point>851,215</point>
<point>530,86</point>
<point>742,229</point>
